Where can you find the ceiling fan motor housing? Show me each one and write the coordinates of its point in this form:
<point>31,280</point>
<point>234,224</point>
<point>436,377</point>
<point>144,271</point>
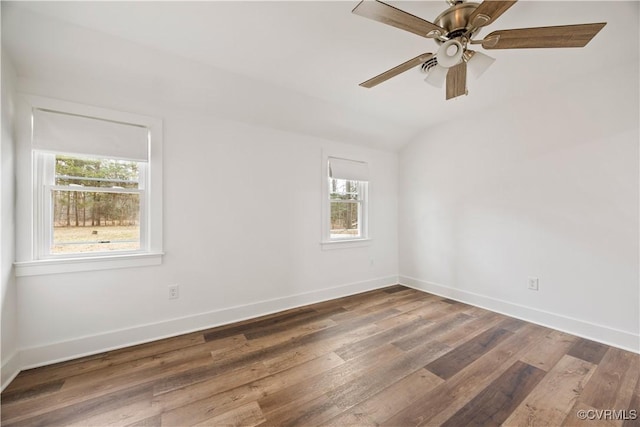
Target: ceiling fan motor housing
<point>456,20</point>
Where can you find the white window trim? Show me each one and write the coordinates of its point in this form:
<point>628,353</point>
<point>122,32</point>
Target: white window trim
<point>28,253</point>
<point>326,242</point>
<point>86,263</point>
<point>45,179</point>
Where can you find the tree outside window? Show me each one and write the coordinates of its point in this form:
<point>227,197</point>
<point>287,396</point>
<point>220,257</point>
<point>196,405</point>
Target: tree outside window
<point>95,205</point>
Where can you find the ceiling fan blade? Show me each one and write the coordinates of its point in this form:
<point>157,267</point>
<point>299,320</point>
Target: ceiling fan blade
<point>420,59</point>
<point>457,80</point>
<point>541,37</point>
<point>489,11</point>
<point>382,12</point>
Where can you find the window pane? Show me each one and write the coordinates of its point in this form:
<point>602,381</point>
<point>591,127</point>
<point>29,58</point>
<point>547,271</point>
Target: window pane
<point>95,172</point>
<point>95,222</point>
<point>344,220</point>
<point>341,189</point>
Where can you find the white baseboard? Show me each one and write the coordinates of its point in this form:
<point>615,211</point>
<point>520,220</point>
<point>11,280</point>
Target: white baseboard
<point>9,370</point>
<point>83,346</point>
<point>613,337</point>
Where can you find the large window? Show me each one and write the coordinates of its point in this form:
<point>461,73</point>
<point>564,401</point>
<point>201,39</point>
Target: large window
<point>347,204</point>
<point>92,205</point>
<point>97,189</point>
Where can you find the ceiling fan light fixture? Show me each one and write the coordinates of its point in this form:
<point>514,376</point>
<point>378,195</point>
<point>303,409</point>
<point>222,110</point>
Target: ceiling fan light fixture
<point>450,53</point>
<point>436,76</point>
<point>478,63</point>
<point>454,30</point>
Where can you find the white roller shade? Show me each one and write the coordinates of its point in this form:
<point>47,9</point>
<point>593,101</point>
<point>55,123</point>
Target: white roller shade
<point>348,169</point>
<point>73,134</point>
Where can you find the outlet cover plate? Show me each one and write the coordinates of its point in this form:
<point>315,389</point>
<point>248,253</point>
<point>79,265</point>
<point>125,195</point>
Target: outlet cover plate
<point>174,292</point>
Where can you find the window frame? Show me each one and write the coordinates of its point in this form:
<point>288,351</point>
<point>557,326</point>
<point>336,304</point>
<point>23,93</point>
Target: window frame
<point>364,239</point>
<point>362,206</point>
<point>33,257</point>
<point>45,183</point>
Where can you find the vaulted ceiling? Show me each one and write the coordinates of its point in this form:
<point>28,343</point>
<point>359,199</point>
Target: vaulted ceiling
<point>297,65</point>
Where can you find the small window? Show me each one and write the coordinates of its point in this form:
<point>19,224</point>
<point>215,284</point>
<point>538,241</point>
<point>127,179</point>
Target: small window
<point>347,200</point>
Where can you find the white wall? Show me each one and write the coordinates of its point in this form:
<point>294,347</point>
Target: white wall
<point>545,186</point>
<point>9,344</point>
<point>242,232</point>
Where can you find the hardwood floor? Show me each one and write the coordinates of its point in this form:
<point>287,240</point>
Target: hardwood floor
<point>392,357</point>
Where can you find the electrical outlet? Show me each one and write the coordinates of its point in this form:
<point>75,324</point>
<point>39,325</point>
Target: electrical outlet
<point>173,292</point>
<point>533,283</point>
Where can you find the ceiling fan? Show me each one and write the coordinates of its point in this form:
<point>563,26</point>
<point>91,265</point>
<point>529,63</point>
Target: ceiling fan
<point>454,29</point>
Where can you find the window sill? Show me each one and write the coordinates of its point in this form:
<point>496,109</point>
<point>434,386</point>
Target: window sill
<point>71,265</point>
<point>344,244</point>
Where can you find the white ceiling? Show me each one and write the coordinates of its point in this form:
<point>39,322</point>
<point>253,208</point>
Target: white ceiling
<point>297,65</point>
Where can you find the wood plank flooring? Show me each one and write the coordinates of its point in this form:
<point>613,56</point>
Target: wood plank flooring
<point>390,357</point>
